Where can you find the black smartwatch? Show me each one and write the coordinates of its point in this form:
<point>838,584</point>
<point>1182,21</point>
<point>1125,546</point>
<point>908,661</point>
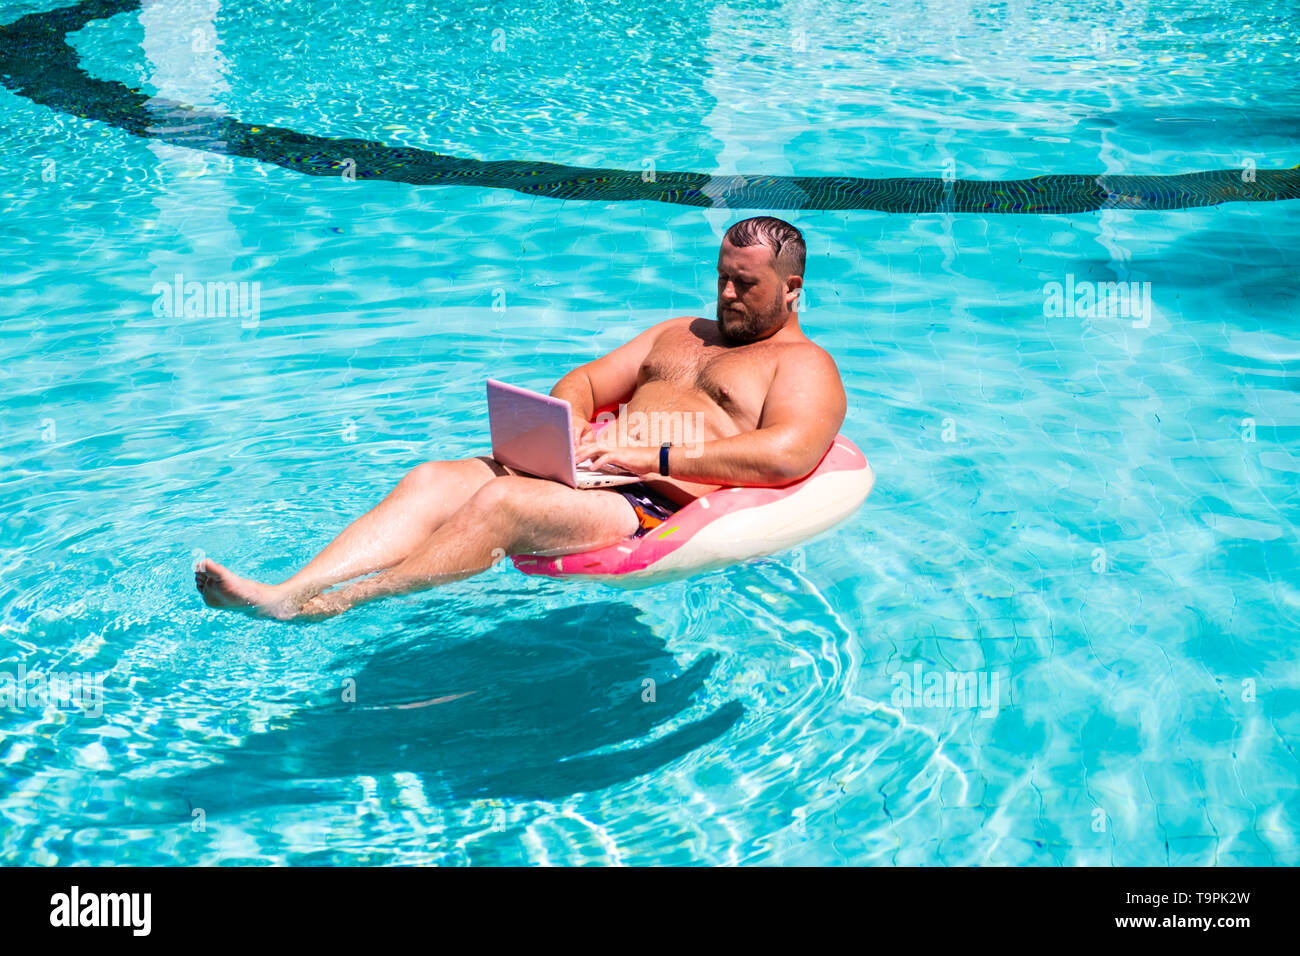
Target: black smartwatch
<point>663,458</point>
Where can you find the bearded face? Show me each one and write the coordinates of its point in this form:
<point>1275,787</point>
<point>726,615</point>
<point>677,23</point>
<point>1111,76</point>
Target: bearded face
<point>740,325</point>
<point>751,294</point>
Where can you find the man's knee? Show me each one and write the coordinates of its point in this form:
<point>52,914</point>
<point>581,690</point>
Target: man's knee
<point>504,507</point>
<point>505,497</point>
<point>423,477</point>
<point>432,476</point>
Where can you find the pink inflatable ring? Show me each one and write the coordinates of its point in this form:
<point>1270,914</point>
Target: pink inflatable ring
<point>726,526</point>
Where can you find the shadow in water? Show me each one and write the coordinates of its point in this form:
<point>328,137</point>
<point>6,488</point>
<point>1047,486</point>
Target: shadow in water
<point>515,713</point>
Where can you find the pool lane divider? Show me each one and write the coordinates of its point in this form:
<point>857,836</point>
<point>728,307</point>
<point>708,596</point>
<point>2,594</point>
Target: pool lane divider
<point>38,62</point>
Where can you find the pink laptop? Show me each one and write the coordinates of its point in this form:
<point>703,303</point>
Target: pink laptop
<point>530,432</point>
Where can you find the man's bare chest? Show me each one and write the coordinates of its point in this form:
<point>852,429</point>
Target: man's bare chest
<point>734,378</point>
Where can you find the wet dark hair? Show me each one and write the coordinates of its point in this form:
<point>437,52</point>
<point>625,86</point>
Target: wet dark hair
<point>785,241</point>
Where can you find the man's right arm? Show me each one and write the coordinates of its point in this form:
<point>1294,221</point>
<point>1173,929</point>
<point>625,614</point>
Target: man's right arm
<point>610,379</point>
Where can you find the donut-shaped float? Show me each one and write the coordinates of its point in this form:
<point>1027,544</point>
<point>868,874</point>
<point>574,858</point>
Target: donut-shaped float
<point>725,527</point>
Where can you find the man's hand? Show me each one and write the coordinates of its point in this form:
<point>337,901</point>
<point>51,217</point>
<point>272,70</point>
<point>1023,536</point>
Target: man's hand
<point>582,433</point>
<point>606,456</point>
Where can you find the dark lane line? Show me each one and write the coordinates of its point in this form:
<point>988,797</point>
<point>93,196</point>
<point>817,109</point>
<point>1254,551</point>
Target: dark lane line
<point>36,61</point>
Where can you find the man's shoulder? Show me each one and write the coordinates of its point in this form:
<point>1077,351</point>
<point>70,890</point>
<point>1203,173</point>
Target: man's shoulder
<point>805,350</point>
<point>805,362</point>
<point>686,321</point>
<point>667,325</point>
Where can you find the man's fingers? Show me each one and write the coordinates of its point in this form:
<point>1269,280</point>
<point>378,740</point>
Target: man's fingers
<point>590,447</point>
<point>582,432</point>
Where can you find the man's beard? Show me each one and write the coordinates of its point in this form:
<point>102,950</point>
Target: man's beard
<point>741,328</point>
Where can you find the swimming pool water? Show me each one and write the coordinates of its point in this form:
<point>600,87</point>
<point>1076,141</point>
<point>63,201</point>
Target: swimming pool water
<point>1090,515</point>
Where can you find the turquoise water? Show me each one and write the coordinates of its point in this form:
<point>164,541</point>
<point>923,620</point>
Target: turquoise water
<point>1091,515</point>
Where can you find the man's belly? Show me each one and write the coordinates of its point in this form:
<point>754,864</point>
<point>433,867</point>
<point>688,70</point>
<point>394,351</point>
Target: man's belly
<point>659,412</point>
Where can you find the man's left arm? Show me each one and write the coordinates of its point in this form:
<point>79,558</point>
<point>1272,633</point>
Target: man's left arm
<point>802,413</point>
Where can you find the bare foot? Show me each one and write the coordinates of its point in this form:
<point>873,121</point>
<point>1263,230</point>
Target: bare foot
<point>223,588</point>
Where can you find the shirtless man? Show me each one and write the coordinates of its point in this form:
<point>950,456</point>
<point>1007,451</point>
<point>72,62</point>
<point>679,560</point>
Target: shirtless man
<point>767,403</point>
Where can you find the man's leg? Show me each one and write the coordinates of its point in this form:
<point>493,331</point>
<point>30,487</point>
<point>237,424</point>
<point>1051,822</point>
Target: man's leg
<point>428,495</point>
<point>508,515</point>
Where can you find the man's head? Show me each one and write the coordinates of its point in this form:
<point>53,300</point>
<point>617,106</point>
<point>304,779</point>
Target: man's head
<point>760,273</point>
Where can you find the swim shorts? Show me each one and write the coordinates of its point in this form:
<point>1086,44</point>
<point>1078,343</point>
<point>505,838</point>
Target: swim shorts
<point>651,508</point>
